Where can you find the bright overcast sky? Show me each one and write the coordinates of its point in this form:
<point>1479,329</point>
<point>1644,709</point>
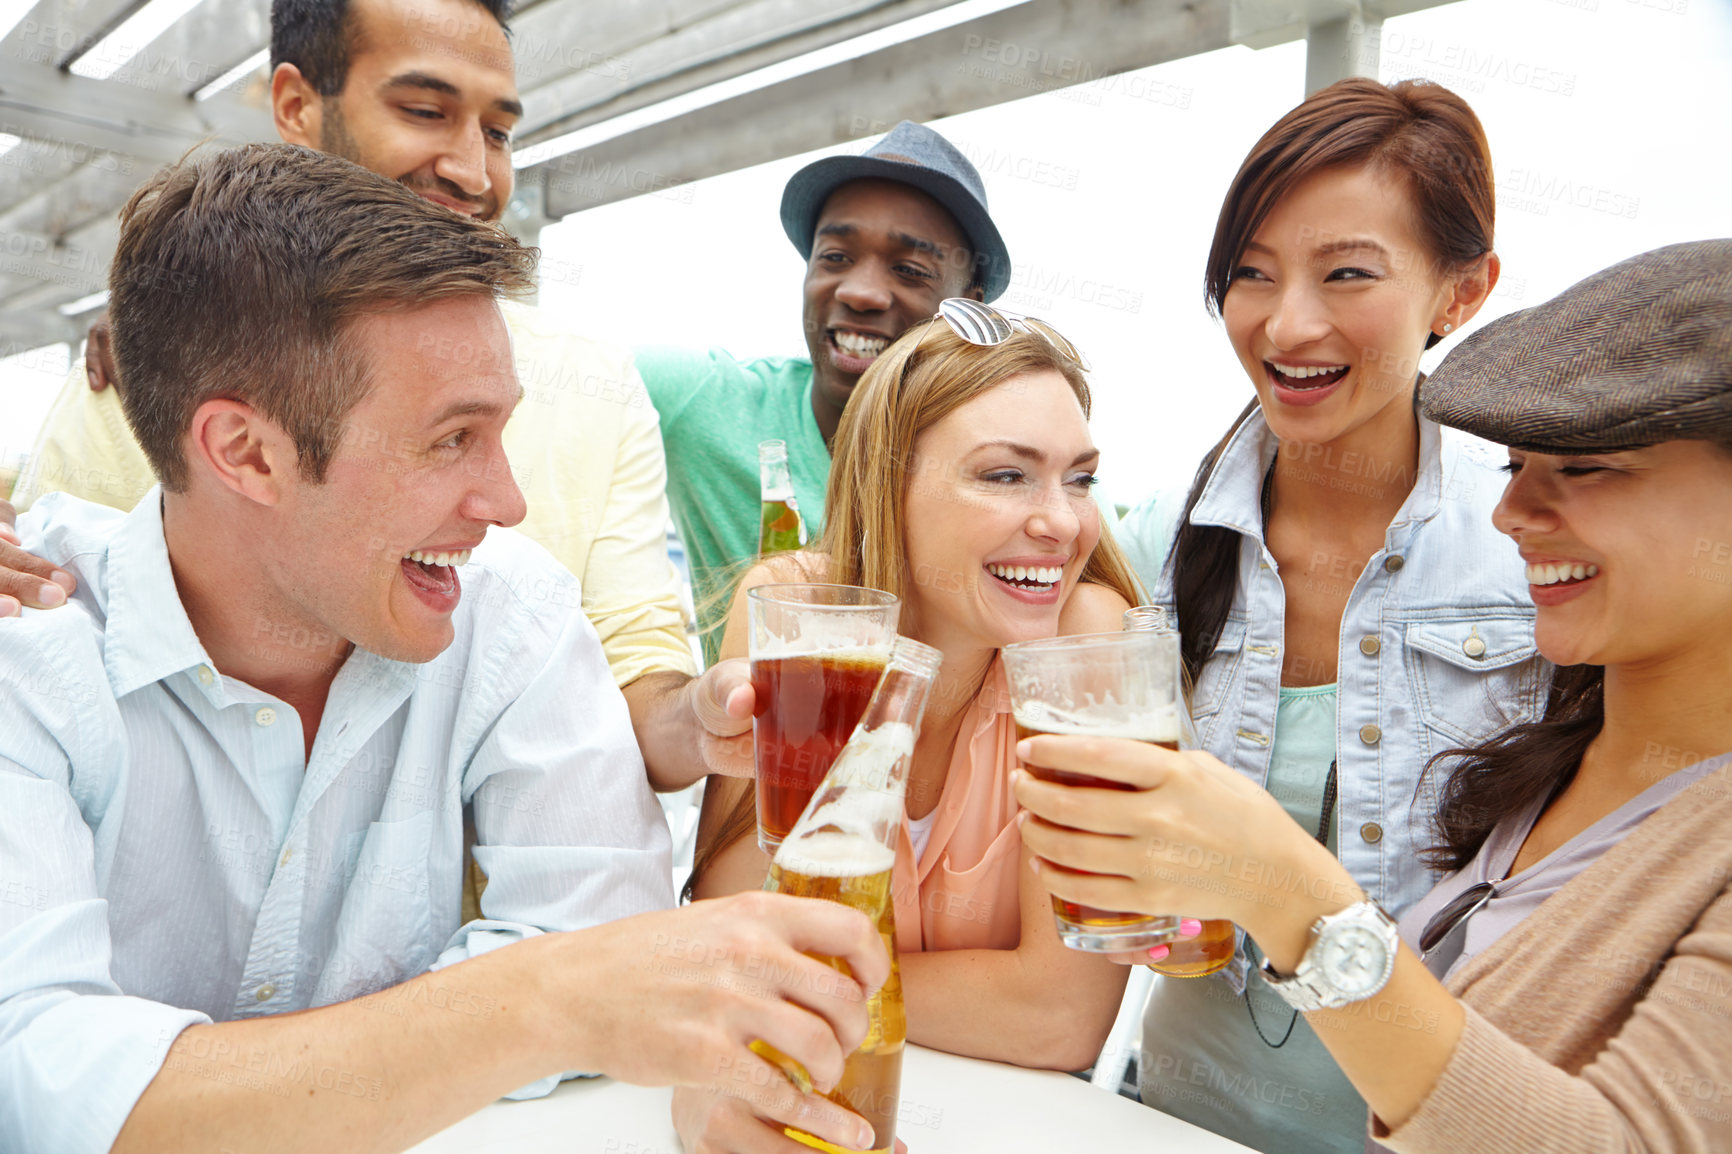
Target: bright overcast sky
<point>1107,195</point>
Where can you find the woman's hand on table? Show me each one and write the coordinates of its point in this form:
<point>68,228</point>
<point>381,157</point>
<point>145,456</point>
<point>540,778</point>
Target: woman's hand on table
<point>1194,838</point>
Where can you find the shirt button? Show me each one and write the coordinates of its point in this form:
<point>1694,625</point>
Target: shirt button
<point>1371,832</point>
<point>205,676</point>
<point>265,992</point>
<point>287,854</point>
<point>1369,645</point>
<point>1370,734</point>
<point>265,716</point>
<point>1393,563</point>
<point>1473,647</point>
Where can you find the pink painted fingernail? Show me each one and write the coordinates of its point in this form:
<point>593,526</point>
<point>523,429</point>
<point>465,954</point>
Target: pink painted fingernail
<point>1156,953</point>
<point>1189,927</point>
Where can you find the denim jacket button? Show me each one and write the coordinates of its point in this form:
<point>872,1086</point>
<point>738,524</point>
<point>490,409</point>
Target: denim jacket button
<point>1393,563</point>
<point>1370,734</point>
<point>1473,647</point>
<point>1369,645</point>
<point>1371,832</point>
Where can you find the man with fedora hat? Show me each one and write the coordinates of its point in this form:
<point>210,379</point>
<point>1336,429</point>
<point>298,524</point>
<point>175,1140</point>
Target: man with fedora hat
<point>886,236</point>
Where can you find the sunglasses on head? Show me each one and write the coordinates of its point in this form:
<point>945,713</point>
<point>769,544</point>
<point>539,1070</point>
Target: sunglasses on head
<point>985,326</point>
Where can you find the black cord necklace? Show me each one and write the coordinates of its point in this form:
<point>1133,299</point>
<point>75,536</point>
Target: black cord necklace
<point>1323,822</point>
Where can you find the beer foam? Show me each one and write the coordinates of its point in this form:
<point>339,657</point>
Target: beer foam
<point>859,636</point>
<point>1143,723</point>
<point>835,854</point>
<point>815,647</point>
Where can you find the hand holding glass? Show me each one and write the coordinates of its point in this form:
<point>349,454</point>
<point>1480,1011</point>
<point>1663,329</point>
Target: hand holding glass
<point>1109,685</point>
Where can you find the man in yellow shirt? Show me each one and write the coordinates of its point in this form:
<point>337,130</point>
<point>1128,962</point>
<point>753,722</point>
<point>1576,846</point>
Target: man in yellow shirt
<point>424,91</point>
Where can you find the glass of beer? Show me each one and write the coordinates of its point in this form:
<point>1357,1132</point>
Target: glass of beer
<point>1100,685</point>
<point>817,653</point>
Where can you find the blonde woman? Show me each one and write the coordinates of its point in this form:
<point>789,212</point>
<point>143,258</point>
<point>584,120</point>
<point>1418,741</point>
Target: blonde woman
<point>961,483</point>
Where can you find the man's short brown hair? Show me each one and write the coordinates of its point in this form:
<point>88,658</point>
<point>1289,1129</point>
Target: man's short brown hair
<point>238,274</point>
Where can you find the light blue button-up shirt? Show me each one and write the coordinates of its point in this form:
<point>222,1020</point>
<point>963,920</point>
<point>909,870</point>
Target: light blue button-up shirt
<point>1436,648</point>
<point>169,855</point>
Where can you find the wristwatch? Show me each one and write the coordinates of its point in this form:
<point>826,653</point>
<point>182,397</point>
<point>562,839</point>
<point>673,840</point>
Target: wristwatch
<point>1350,958</point>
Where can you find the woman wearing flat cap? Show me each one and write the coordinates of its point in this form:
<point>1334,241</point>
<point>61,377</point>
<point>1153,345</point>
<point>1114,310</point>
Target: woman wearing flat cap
<point>1568,986</point>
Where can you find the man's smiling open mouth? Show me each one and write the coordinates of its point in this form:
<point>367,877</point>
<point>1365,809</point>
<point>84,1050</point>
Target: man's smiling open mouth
<point>853,351</point>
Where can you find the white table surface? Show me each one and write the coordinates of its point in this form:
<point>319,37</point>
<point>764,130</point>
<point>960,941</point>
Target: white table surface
<point>950,1105</point>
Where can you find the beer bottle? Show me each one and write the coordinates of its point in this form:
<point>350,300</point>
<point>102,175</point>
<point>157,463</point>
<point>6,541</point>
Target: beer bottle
<point>1212,949</point>
<point>843,849</point>
<point>779,527</point>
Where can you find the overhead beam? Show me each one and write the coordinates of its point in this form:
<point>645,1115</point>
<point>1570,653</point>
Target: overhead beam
<point>1017,52</point>
<point>21,332</point>
<point>79,271</point>
<point>731,43</point>
<point>97,118</point>
<point>1266,23</point>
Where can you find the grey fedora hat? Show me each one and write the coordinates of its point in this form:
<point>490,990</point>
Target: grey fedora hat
<point>1636,354</point>
<point>915,155</point>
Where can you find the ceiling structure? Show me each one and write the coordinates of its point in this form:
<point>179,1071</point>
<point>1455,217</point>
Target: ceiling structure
<point>621,97</point>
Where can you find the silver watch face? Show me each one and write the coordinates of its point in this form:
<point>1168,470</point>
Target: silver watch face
<point>1352,959</point>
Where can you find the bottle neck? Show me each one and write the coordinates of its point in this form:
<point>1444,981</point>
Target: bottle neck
<point>774,482</point>
<point>892,720</point>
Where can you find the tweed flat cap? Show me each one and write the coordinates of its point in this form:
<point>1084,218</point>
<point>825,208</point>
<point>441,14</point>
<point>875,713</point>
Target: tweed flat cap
<point>1634,355</point>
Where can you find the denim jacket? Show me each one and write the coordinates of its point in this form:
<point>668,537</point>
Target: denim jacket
<point>1436,647</point>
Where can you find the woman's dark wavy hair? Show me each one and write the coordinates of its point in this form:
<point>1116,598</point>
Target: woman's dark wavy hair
<point>1416,131</point>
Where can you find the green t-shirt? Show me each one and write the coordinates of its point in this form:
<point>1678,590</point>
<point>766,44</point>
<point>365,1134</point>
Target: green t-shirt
<point>714,410</point>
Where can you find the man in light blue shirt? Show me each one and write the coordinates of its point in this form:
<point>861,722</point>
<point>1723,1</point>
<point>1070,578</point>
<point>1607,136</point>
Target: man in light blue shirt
<point>233,770</point>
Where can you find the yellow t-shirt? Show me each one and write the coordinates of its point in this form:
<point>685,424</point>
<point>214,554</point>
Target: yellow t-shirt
<point>585,446</point>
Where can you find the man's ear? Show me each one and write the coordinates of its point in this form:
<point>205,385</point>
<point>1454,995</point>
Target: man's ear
<point>296,106</point>
<point>242,449</point>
